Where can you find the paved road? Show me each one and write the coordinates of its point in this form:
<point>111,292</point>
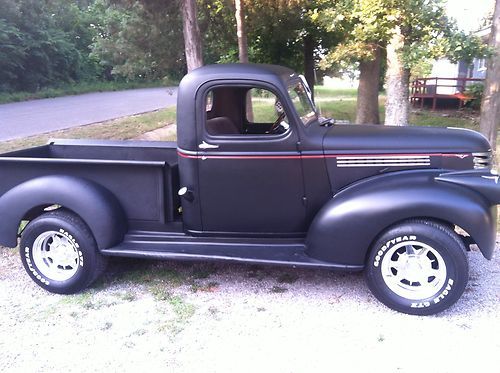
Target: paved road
<point>21,119</point>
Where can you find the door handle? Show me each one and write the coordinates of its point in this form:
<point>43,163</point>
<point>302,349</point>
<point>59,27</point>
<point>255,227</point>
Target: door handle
<point>205,145</point>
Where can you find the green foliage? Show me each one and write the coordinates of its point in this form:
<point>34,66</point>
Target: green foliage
<point>217,22</point>
<point>42,42</point>
<point>427,31</point>
<point>475,92</point>
<point>138,39</point>
<point>277,30</point>
<point>460,46</point>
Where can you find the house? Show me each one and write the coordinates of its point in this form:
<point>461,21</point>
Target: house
<point>449,81</point>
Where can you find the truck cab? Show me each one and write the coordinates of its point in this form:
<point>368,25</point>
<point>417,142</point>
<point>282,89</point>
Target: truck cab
<point>257,175</point>
<point>244,143</point>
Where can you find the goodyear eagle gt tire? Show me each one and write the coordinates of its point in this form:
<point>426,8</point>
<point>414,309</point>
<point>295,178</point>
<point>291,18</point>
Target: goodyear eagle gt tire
<point>59,253</point>
<point>418,267</point>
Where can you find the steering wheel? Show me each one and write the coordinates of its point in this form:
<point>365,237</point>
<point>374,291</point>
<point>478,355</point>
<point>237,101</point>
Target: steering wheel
<point>277,123</point>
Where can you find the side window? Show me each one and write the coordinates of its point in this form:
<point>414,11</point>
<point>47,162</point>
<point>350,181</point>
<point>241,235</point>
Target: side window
<point>262,106</point>
<point>242,110</point>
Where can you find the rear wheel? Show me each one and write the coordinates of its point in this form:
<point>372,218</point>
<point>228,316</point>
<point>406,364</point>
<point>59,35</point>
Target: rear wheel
<point>418,267</point>
<point>59,253</point>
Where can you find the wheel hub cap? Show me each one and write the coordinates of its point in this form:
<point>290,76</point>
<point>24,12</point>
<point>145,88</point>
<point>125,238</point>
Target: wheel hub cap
<point>413,270</point>
<point>56,256</point>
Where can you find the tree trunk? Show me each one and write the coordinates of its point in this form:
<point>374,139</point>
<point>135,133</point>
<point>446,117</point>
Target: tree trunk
<point>192,36</point>
<point>241,31</point>
<point>309,63</point>
<point>490,104</point>
<point>369,79</point>
<point>397,106</point>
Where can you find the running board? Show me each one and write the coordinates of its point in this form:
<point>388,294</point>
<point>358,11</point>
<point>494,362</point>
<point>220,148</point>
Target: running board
<point>286,252</point>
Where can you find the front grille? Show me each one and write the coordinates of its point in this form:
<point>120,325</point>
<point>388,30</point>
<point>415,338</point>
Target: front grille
<point>482,160</point>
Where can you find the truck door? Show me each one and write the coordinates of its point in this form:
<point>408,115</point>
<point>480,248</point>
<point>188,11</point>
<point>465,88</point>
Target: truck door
<point>250,171</point>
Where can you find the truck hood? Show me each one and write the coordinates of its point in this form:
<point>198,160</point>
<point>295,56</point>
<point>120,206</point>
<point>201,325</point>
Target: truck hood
<point>375,139</point>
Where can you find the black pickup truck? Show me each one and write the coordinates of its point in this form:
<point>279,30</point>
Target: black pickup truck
<point>258,176</point>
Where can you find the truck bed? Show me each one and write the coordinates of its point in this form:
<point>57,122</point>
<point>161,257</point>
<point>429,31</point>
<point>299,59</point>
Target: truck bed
<point>143,175</point>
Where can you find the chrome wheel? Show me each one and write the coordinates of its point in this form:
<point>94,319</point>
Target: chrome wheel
<point>413,270</point>
<point>56,256</point>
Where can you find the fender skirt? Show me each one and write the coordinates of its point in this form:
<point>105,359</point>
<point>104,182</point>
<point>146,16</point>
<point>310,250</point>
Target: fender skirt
<point>345,228</point>
<point>96,205</point>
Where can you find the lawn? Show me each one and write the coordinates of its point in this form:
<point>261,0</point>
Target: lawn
<point>341,104</point>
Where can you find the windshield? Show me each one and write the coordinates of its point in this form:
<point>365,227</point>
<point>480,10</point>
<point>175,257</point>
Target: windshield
<point>302,102</point>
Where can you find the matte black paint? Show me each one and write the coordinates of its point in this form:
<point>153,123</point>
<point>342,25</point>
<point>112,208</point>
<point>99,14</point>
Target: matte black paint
<point>107,223</point>
<point>280,199</point>
<point>354,217</point>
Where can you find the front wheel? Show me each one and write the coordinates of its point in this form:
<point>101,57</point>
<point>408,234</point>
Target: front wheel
<point>418,267</point>
<point>59,253</point>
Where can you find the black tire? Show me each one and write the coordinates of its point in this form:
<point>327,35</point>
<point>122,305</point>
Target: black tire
<point>433,267</point>
<point>60,254</point>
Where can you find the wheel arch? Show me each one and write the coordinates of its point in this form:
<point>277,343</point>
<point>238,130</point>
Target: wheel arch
<point>348,225</point>
<point>92,202</point>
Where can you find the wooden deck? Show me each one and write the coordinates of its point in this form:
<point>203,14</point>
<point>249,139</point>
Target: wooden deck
<point>433,91</point>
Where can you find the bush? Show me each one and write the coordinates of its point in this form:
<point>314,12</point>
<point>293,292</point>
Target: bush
<point>475,92</point>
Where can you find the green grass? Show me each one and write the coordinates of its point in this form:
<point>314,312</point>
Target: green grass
<point>78,88</point>
<point>88,300</point>
<point>341,105</point>
<point>327,92</point>
<point>345,109</point>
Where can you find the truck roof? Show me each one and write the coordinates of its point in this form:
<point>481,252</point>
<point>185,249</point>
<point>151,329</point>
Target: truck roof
<point>241,71</point>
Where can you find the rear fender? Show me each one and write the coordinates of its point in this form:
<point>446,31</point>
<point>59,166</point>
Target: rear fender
<point>345,228</point>
<point>96,205</point>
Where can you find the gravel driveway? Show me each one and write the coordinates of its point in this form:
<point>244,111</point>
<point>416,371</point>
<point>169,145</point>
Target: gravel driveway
<point>185,317</point>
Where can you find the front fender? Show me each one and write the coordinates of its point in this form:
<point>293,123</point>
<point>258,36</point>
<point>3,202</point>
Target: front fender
<point>96,205</point>
<point>344,229</point>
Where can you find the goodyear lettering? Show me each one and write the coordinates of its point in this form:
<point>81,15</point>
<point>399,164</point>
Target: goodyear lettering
<point>32,269</point>
<point>388,245</point>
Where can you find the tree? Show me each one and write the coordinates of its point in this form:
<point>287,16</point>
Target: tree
<point>367,106</point>
<point>416,26</point>
<point>490,105</point>
<point>397,106</point>
<point>192,36</point>
<point>44,43</point>
<point>419,30</point>
<point>284,32</point>
<point>131,39</point>
<point>409,31</point>
<point>241,31</point>
<point>363,25</point>
<point>149,38</point>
